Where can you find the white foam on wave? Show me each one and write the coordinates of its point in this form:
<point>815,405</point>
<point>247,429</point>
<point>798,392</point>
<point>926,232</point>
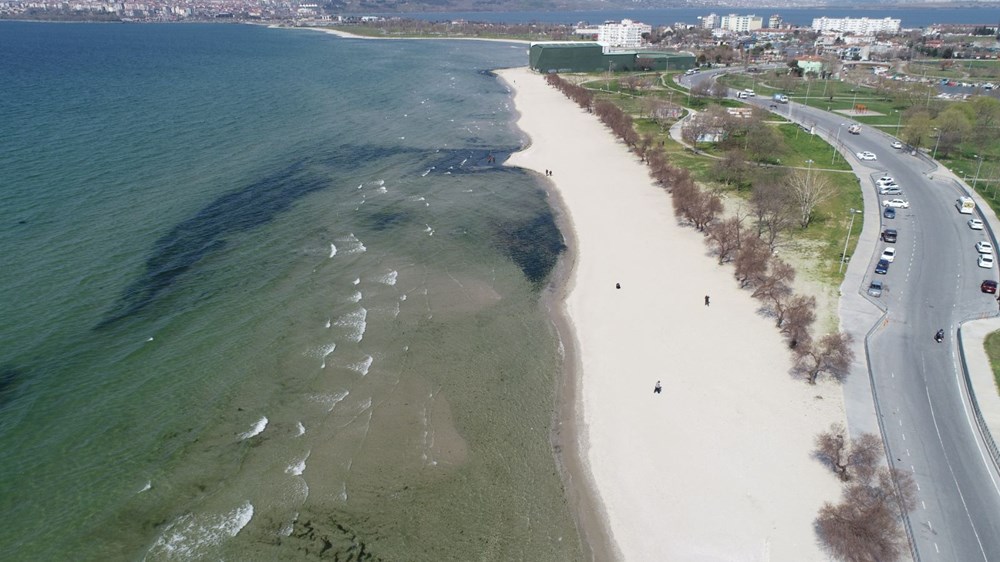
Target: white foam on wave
<point>382,190</point>
<point>356,322</point>
<point>388,278</point>
<point>287,528</point>
<point>357,280</point>
<point>256,429</point>
<point>328,322</point>
<point>429,230</point>
<point>147,487</point>
<point>298,467</point>
<point>354,246</point>
<point>402,297</point>
<point>299,429</point>
<point>355,297</point>
<point>330,400</point>
<point>429,170</point>
<point>361,367</point>
<point>333,249</point>
<point>343,492</point>
<point>191,536</point>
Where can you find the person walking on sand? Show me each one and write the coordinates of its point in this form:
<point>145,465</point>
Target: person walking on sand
<point>706,300</point>
<point>657,388</point>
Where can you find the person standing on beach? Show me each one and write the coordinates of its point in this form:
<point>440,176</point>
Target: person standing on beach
<point>657,388</point>
<point>706,300</point>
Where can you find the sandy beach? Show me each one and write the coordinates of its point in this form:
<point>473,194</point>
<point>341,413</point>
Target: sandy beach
<point>719,465</point>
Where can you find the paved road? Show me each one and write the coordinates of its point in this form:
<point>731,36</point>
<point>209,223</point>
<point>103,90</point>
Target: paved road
<point>920,394</point>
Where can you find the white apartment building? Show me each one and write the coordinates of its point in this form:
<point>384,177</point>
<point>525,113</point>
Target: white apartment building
<point>857,26</point>
<point>627,34</point>
<point>711,21</point>
<point>741,24</point>
<point>774,22</point>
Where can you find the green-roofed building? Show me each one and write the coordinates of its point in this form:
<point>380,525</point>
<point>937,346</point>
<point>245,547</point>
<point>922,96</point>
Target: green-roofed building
<point>588,56</point>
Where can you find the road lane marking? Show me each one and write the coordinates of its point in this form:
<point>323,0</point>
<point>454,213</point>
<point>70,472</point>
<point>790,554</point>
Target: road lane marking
<point>923,503</point>
<point>904,436</point>
<point>961,496</point>
<point>907,452</point>
<point>973,428</point>
<point>936,549</point>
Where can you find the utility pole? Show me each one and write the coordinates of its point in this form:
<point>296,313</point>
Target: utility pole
<point>980,167</point>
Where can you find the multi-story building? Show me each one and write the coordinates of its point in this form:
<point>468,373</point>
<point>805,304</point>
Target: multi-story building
<point>774,22</point>
<point>627,34</point>
<point>741,24</point>
<point>711,21</point>
<point>857,26</point>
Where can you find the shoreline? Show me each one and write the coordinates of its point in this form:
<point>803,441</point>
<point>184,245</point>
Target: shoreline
<point>648,475</point>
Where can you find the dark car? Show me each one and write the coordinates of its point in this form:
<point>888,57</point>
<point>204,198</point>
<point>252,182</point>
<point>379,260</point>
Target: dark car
<point>889,213</point>
<point>889,235</point>
<point>875,289</point>
<point>882,267</point>
<point>989,286</point>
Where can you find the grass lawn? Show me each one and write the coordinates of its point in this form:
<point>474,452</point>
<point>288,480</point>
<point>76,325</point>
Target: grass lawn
<point>992,344</point>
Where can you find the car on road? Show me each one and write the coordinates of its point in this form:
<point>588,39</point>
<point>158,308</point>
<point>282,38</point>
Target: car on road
<point>889,213</point>
<point>866,155</point>
<point>886,181</point>
<point>875,288</point>
<point>896,144</point>
<point>889,235</point>
<point>896,203</point>
<point>894,190</point>
<point>882,267</point>
<point>984,247</point>
<point>854,129</point>
<point>986,261</point>
<point>975,224</point>
<point>889,254</point>
<point>749,93</point>
<point>988,286</point>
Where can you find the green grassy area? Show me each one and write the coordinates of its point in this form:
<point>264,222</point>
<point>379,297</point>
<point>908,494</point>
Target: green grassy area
<point>992,345</point>
<point>957,69</point>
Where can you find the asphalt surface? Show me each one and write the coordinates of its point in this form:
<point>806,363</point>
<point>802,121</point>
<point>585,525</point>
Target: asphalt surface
<point>921,401</point>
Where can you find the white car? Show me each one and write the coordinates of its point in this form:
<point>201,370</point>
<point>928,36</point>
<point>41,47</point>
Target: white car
<point>866,155</point>
<point>984,247</point>
<point>986,261</point>
<point>890,183</point>
<point>890,191</point>
<point>889,254</point>
<point>975,224</point>
<point>896,203</point>
<point>896,144</point>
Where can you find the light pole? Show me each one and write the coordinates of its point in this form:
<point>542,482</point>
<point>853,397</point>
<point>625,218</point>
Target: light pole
<point>934,156</point>
<point>979,167</point>
<point>847,240</point>
<point>809,171</point>
<point>899,122</point>
<point>836,144</point>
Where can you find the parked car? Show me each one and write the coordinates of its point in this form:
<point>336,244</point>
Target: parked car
<point>984,247</point>
<point>896,144</point>
<point>989,286</point>
<point>889,213</point>
<point>986,261</point>
<point>866,155</point>
<point>875,288</point>
<point>889,254</point>
<point>886,182</point>
<point>887,177</point>
<point>889,234</point>
<point>890,191</point>
<point>882,267</point>
<point>975,224</point>
<point>897,203</point>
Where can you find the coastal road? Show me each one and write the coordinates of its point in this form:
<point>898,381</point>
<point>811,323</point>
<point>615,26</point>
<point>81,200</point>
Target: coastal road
<point>921,395</point>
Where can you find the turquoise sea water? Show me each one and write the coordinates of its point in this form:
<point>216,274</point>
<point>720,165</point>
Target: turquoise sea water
<point>266,296</point>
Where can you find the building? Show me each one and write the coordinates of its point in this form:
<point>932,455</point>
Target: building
<point>741,24</point>
<point>589,56</point>
<point>627,34</point>
<point>774,22</point>
<point>711,21</point>
<point>857,26</point>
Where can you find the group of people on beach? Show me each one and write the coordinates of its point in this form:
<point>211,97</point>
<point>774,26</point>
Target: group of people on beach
<point>548,172</point>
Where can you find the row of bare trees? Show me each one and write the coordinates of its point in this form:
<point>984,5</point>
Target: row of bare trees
<point>867,523</point>
<point>580,95</point>
<point>751,250</point>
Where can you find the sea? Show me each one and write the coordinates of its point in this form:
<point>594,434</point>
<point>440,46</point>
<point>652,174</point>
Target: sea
<point>269,294</point>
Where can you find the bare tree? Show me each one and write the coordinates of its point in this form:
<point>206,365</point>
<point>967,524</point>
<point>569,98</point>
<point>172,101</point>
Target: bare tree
<point>764,143</point>
<point>718,90</point>
<point>751,260</point>
<point>808,190</point>
<point>796,315</point>
<point>702,89</point>
<point>849,458</point>
<point>770,202</point>
<point>704,208</point>
<point>832,354</point>
<point>725,237</point>
<point>866,525</point>
<point>776,286</point>
<point>732,169</point>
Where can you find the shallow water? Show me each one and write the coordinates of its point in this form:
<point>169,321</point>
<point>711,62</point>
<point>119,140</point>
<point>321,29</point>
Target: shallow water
<point>267,298</point>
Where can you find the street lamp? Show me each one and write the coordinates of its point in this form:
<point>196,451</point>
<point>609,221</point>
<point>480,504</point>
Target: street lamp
<point>934,156</point>
<point>847,240</point>
<point>809,170</point>
<point>979,167</point>
<point>899,122</point>
<point>836,144</point>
